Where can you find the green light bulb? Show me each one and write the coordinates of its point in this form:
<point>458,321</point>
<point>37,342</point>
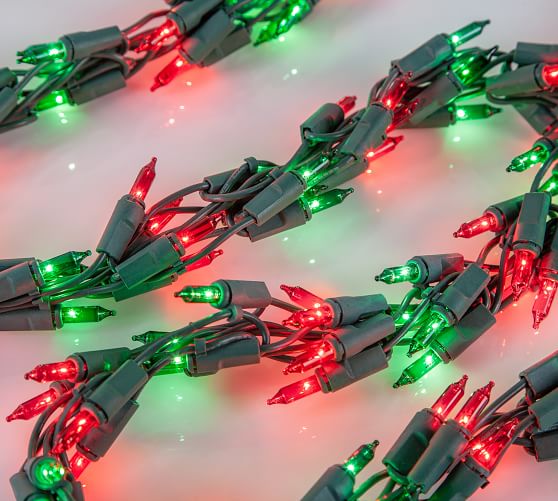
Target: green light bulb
<point>550,185</point>
<point>35,54</point>
<point>436,323</point>
<point>176,366</point>
<point>65,265</point>
<point>474,112</point>
<point>149,336</point>
<point>360,458</point>
<point>468,68</point>
<point>293,12</point>
<point>329,199</point>
<point>47,473</point>
<point>56,98</point>
<point>200,294</point>
<point>83,314</point>
<point>409,272</point>
<point>467,33</point>
<point>538,154</point>
<point>418,368</point>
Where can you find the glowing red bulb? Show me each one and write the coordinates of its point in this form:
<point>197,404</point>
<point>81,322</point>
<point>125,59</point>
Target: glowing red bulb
<point>301,296</point>
<point>487,222</point>
<point>78,463</point>
<point>488,452</point>
<point>523,268</point>
<point>543,300</point>
<point>159,221</point>
<point>470,412</point>
<point>34,406</point>
<point>388,146</point>
<point>321,315</point>
<point>550,75</point>
<point>177,66</point>
<point>204,261</point>
<point>347,103</point>
<point>310,360</point>
<point>143,182</point>
<point>189,236</point>
<point>158,36</point>
<point>450,398</point>
<point>57,371</point>
<point>80,426</point>
<point>395,93</point>
<point>296,391</point>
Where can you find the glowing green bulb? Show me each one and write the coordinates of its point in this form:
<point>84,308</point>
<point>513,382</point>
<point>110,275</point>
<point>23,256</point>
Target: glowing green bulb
<point>36,54</point>
<point>329,199</point>
<point>200,294</point>
<point>54,99</point>
<point>47,473</point>
<point>418,368</point>
<point>467,33</point>
<point>475,112</point>
<point>149,336</point>
<point>409,272</point>
<point>435,324</point>
<point>550,185</point>
<point>63,266</point>
<point>83,314</point>
<point>538,154</point>
<point>468,68</point>
<point>293,12</point>
<point>360,458</point>
<point>176,366</point>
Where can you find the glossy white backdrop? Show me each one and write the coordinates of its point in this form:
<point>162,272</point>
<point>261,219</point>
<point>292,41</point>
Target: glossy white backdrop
<point>216,439</point>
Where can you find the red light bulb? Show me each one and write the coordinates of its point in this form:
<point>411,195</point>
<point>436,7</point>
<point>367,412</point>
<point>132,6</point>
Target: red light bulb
<point>450,398</point>
<point>487,222</point>
<point>488,452</point>
<point>301,296</point>
<point>296,391</point>
<point>470,412</point>
<point>543,300</point>
<point>387,147</point>
<point>189,236</point>
<point>144,181</point>
<point>80,426</point>
<point>57,371</point>
<point>177,66</point>
<point>395,92</point>
<point>347,103</point>
<point>204,261</point>
<point>78,463</point>
<point>159,221</point>
<point>402,115</point>
<point>308,361</point>
<point>522,270</point>
<point>34,406</point>
<point>550,75</point>
<point>312,317</point>
<point>158,36</point>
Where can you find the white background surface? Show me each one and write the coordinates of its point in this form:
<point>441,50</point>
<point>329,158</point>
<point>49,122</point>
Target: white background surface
<point>215,438</point>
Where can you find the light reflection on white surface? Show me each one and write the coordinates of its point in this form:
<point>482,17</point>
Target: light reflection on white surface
<point>234,446</point>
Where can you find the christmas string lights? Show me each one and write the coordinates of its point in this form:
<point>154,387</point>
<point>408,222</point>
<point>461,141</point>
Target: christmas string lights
<point>137,253</point>
<point>83,66</point>
<point>440,458</point>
